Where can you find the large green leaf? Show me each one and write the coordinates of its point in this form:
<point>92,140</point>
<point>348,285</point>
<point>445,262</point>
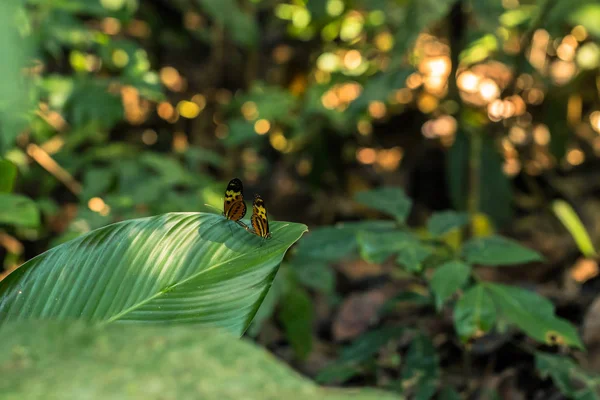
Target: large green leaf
<point>498,250</point>
<point>533,314</point>
<point>18,210</point>
<point>172,268</point>
<point>474,313</point>
<point>71,362</point>
<point>376,247</point>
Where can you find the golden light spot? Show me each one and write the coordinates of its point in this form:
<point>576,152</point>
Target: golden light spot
<point>111,26</point>
<point>584,270</point>
<point>436,66</point>
<point>328,62</point>
<point>511,167</point>
<point>496,110</point>
<point>377,109</point>
<point>139,28</point>
<point>537,54</point>
<point>170,77</point>
<point>304,167</point>
<point>414,80</point>
<point>349,91</point>
<point>165,110</point>
<point>588,56</point>
<point>517,135</point>
<point>352,26</point>
<point>278,140</point>
<point>330,100</point>
<point>562,71</point>
<point>105,210</point>
<point>322,77</point>
<point>389,160</point>
<point>488,90</point>
<point>192,20</point>
<point>579,32</point>
<point>282,53</point>
<point>352,59</point>
<point>366,155</point>
<point>120,58</point>
<point>364,127</point>
<point>518,103</point>
<point>180,142</point>
<point>595,120</point>
<point>249,110</point>
<point>221,131</point>
<point>574,108</point>
<point>403,96</point>
<point>510,4</point>
<point>444,125</point>
<point>427,103</point>
<point>200,101</point>
<point>262,126</point>
<point>384,41</point>
<point>149,137</point>
<point>575,157</point>
<point>565,52</point>
<point>468,82</point>
<point>541,135</point>
<point>223,96</point>
<point>535,96</point>
<point>96,204</point>
<point>188,109</point>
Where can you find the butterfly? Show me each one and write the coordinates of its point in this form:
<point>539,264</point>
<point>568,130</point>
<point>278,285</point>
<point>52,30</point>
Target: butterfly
<point>260,222</point>
<point>234,207</point>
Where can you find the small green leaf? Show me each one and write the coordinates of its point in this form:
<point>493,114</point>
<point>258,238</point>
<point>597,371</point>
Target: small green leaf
<point>315,274</point>
<point>533,314</point>
<point>474,313</point>
<point>568,377</point>
<point>412,257</point>
<point>19,211</point>
<point>376,247</point>
<point>369,344</point>
<point>588,16</point>
<point>96,181</point>
<point>8,173</point>
<point>391,201</point>
<point>497,250</point>
<point>443,222</point>
<point>296,315</point>
<point>327,244</point>
<point>449,393</point>
<point>447,279</point>
<point>337,373</point>
<point>420,374</point>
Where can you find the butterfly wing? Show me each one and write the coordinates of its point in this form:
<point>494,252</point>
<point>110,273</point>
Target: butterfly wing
<point>234,207</point>
<point>259,219</point>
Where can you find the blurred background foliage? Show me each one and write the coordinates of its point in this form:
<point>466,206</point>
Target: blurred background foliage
<point>116,109</point>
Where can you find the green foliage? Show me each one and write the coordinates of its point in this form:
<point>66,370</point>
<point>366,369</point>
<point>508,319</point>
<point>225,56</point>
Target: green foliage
<point>181,268</point>
<point>388,200</point>
<point>8,173</point>
<point>447,279</point>
<point>497,250</point>
<point>443,222</point>
<point>296,316</point>
<point>19,211</point>
<point>421,372</point>
<point>69,361</point>
<point>474,313</point>
<point>533,314</point>
<point>571,379</point>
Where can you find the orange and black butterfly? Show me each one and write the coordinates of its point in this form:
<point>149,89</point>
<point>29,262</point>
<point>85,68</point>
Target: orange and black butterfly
<point>260,222</point>
<point>234,207</point>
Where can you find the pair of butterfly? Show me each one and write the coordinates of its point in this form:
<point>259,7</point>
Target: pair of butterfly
<point>234,209</point>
